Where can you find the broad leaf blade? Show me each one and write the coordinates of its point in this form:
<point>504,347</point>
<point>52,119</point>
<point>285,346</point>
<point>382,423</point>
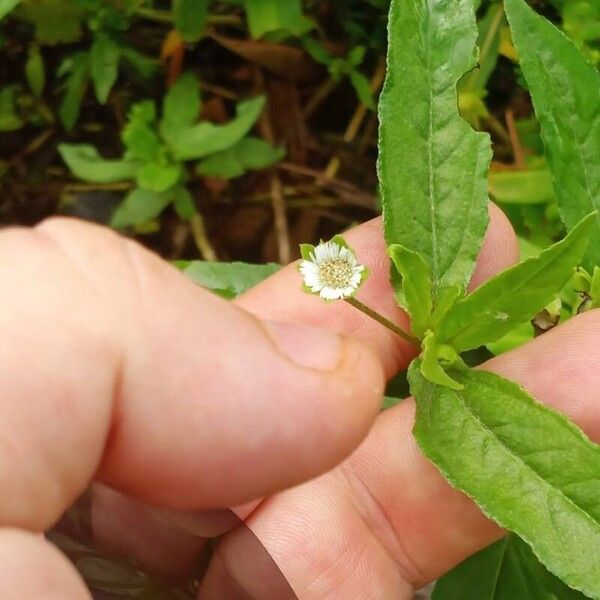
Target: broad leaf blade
<point>189,17</point>
<point>526,466</point>
<point>516,295</point>
<point>432,165</point>
<point>85,163</point>
<point>506,570</point>
<point>181,105</point>
<point>272,15</point>
<point>205,139</point>
<point>104,65</point>
<point>566,95</point>
<point>140,206</point>
<point>6,6</point>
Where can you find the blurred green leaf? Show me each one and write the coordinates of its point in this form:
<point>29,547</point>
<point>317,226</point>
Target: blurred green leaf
<point>9,119</point>
<point>104,65</point>
<point>140,206</point>
<point>522,187</point>
<point>181,106</point>
<point>139,135</point>
<point>85,163</point>
<point>189,17</point>
<point>54,21</point>
<point>158,177</point>
<point>248,153</point>
<point>78,69</point>
<point>265,16</point>
<point>228,279</point>
<point>205,139</point>
<point>143,66</point>
<point>362,86</point>
<point>35,72</point>
<point>6,6</point>
<point>183,203</point>
<point>506,570</point>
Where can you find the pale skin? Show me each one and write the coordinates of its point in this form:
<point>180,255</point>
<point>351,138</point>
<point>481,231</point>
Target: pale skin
<point>115,369</point>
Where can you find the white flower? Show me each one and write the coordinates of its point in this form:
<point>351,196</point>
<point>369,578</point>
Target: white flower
<point>331,270</point>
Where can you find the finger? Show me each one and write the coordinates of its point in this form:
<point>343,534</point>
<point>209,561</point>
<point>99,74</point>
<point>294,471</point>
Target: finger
<point>499,251</point>
<point>391,504</point>
<point>113,363</point>
<point>31,567</point>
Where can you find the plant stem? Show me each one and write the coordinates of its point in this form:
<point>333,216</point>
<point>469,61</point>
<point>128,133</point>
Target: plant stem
<point>385,322</point>
<point>165,16</point>
<point>202,242</point>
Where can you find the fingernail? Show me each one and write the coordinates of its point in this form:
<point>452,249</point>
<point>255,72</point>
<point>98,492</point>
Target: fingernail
<point>308,347</point>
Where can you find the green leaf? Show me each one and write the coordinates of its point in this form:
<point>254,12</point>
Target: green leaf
<point>9,119</point>
<point>522,187</point>
<point>515,295</point>
<point>35,71</point>
<point>181,106</point>
<point>140,206</point>
<point>415,286</point>
<point>566,95</point>
<point>158,177</point>
<point>527,467</point>
<point>104,65</point>
<point>85,163</point>
<point>139,135</point>
<point>228,279</point>
<point>184,204</point>
<point>78,67</point>
<point>205,139</point>
<point>249,153</point>
<point>54,21</point>
<point>506,570</point>
<point>266,16</point>
<point>6,6</point>
<point>362,87</point>
<point>189,17</point>
<point>432,165</point>
<point>430,365</point>
<point>142,66</point>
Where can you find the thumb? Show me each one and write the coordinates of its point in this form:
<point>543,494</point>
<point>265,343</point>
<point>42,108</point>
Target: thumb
<point>157,387</point>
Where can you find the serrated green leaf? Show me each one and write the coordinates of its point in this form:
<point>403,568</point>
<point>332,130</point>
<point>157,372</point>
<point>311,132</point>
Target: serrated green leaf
<point>6,6</point>
<point>140,206</point>
<point>248,154</point>
<point>565,90</point>
<point>77,79</point>
<point>228,279</point>
<point>189,17</point>
<point>432,165</point>
<point>205,139</point>
<point>181,106</point>
<point>85,163</point>
<point>526,466</point>
<point>514,296</point>
<point>416,287</point>
<point>266,16</point>
<point>104,65</point>
<point>35,71</point>
<point>506,570</point>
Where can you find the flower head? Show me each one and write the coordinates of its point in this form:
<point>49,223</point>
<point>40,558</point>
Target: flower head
<point>331,269</point>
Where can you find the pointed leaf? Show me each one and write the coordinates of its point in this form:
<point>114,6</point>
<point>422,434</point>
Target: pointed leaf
<point>526,466</point>
<point>181,105</point>
<point>104,65</point>
<point>207,138</point>
<point>516,295</point>
<point>85,163</point>
<point>416,287</point>
<point>432,165</point>
<point>565,90</point>
<point>140,206</point>
<point>77,80</point>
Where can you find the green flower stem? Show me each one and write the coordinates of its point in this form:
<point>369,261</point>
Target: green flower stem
<point>385,322</point>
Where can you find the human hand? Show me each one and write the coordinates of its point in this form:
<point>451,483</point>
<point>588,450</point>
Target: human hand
<point>114,368</point>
